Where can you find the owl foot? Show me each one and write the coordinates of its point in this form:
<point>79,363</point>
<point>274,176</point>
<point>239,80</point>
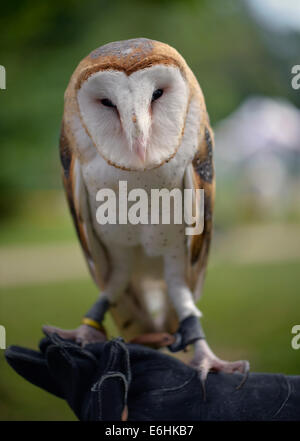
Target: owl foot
<point>205,361</point>
<point>82,335</point>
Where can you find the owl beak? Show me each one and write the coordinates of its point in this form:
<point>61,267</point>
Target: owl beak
<point>138,134</point>
<point>140,148</point>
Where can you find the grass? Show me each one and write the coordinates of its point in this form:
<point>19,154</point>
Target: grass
<point>249,311</point>
<point>43,217</point>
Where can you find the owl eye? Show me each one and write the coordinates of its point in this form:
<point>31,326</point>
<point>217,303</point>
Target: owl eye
<point>157,94</point>
<point>107,103</point>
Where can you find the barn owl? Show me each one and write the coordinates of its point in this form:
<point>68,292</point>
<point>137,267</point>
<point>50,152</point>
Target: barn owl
<point>135,112</point>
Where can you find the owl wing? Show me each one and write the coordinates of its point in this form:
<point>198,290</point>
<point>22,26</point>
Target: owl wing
<point>94,250</point>
<point>200,175</point>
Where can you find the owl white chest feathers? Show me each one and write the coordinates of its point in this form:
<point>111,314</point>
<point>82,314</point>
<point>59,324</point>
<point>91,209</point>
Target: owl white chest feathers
<point>98,174</point>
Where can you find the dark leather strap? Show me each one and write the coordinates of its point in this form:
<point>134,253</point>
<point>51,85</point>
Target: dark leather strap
<point>98,310</point>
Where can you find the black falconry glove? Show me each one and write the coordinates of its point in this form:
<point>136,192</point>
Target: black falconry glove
<point>113,381</point>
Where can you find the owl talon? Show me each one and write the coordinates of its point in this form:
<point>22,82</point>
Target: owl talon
<point>203,389</point>
<point>205,361</point>
<point>246,374</point>
<point>82,335</point>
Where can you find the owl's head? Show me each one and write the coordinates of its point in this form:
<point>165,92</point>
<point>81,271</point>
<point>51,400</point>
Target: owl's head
<point>132,97</point>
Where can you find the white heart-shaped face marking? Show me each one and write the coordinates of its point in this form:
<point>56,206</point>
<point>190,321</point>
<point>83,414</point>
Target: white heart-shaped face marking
<point>135,122</point>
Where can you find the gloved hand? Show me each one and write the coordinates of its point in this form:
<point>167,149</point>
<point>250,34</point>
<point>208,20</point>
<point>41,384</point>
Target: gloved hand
<point>105,381</point>
<point>94,382</point>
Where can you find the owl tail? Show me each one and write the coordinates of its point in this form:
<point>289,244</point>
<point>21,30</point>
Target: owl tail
<point>144,308</point>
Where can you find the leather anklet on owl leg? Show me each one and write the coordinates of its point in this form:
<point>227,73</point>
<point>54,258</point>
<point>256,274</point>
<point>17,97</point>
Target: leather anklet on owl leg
<point>96,313</point>
<point>189,331</point>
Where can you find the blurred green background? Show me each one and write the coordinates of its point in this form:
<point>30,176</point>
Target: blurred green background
<point>242,58</point>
